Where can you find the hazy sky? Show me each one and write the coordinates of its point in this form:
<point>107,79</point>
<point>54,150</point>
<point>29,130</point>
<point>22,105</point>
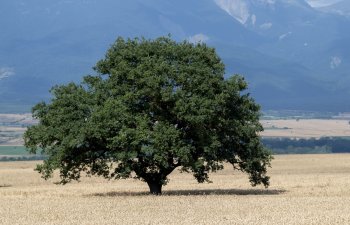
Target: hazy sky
<point>320,3</point>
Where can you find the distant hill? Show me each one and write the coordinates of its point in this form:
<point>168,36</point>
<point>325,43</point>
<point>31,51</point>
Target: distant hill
<point>341,7</point>
<point>292,55</point>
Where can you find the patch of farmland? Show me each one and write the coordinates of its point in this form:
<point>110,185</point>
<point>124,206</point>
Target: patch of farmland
<point>306,128</point>
<point>12,127</point>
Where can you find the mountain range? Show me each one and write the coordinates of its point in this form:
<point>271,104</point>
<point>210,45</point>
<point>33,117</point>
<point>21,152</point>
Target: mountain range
<point>294,54</point>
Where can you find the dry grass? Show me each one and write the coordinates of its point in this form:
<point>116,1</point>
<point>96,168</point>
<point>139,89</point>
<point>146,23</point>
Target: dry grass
<point>305,189</point>
<point>306,128</point>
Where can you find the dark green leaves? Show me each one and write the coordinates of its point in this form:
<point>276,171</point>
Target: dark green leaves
<point>155,105</point>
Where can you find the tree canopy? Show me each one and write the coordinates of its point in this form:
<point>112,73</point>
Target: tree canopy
<point>154,106</point>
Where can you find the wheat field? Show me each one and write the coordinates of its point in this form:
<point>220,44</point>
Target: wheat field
<point>305,189</point>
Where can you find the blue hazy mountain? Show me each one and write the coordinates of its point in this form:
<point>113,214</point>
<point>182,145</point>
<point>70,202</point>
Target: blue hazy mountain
<point>292,55</point>
<point>341,7</point>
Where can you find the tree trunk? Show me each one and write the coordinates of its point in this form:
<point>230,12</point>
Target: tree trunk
<point>155,188</point>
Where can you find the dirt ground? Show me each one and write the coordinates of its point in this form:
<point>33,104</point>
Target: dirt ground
<point>305,189</point>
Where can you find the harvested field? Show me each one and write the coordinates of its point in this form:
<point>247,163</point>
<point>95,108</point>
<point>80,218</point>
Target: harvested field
<point>12,127</point>
<point>306,128</point>
<point>305,189</point>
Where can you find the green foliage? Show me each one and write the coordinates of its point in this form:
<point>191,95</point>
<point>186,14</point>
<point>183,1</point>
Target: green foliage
<point>155,105</point>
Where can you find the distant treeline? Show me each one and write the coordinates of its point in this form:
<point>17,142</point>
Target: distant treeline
<point>310,145</point>
<point>22,158</point>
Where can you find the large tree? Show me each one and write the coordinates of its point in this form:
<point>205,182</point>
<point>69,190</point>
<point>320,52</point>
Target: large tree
<point>154,106</point>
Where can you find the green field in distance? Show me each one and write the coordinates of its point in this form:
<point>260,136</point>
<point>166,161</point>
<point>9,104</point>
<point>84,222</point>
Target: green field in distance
<point>13,150</point>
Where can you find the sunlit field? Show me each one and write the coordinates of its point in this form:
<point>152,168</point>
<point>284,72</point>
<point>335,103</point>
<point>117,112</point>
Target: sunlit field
<point>305,189</point>
<point>306,128</point>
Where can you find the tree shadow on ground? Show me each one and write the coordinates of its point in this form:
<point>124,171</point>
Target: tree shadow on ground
<point>5,185</point>
<point>196,192</point>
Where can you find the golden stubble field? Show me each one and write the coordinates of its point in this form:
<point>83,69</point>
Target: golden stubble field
<point>306,128</point>
<point>305,189</point>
